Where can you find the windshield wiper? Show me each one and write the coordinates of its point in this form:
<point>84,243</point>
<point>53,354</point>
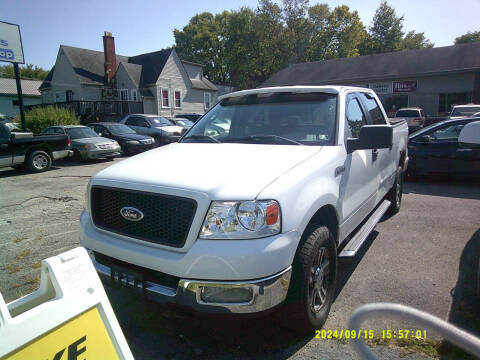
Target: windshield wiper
<point>264,136</point>
<point>200,137</point>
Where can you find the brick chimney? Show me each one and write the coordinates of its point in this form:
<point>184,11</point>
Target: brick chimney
<point>110,58</point>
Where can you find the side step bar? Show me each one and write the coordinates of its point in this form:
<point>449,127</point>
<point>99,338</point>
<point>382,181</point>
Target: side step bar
<point>352,247</point>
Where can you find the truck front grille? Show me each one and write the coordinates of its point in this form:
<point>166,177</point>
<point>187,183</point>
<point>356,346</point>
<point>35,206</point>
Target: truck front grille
<point>166,219</point>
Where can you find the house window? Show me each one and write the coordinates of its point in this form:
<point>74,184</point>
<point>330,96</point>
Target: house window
<point>69,95</point>
<point>207,100</point>
<point>15,103</point>
<point>134,95</point>
<point>165,98</point>
<point>60,96</point>
<point>124,94</point>
<point>178,98</point>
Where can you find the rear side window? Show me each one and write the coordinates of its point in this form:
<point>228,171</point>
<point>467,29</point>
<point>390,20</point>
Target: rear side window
<point>373,109</point>
<point>355,117</point>
<point>407,113</point>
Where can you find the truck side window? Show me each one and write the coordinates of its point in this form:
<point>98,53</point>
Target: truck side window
<point>3,132</point>
<point>355,117</point>
<point>374,110</point>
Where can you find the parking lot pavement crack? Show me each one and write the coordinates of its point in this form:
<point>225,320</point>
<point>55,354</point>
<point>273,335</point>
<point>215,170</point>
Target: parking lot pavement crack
<point>51,198</point>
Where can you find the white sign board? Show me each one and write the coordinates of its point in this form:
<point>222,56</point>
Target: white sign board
<point>381,87</point>
<point>68,317</point>
<point>11,49</point>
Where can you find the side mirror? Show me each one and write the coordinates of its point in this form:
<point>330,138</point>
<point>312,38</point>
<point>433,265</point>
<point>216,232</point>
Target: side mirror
<point>372,137</point>
<point>425,139</point>
<point>470,136</point>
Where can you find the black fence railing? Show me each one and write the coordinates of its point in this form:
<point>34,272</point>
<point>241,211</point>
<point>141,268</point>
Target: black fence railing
<point>101,108</point>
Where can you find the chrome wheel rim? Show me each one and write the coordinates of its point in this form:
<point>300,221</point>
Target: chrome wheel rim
<point>40,161</point>
<point>319,280</point>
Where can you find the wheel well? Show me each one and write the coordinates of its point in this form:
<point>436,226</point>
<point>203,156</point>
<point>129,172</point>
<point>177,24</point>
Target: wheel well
<point>30,150</point>
<point>327,216</point>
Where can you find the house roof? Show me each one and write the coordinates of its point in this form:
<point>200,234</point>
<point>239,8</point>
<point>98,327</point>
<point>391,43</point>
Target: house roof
<point>203,84</point>
<point>29,87</point>
<point>400,64</point>
<point>143,69</point>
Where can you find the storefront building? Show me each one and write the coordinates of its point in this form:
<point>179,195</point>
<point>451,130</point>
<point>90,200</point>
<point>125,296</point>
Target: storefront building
<point>433,79</point>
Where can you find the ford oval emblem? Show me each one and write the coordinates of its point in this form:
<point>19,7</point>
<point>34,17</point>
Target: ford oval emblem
<point>131,213</point>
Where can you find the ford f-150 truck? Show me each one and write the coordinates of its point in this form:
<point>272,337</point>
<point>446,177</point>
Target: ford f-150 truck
<point>243,218</point>
<point>36,152</point>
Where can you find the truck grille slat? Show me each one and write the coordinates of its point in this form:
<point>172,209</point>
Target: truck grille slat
<point>167,219</point>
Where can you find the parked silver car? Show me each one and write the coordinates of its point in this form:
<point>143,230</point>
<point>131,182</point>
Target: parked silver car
<point>86,143</point>
<point>414,116</point>
<point>163,130</point>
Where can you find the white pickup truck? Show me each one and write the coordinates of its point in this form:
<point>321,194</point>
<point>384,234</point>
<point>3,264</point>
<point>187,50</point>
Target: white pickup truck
<point>255,203</point>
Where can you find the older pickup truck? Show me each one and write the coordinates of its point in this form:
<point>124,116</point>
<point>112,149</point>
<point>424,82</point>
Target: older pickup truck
<point>253,206</point>
<point>34,152</point>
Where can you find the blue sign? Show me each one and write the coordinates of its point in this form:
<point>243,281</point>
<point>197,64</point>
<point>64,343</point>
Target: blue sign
<point>6,54</point>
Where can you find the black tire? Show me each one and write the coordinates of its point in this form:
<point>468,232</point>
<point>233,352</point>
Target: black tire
<point>307,311</point>
<point>396,192</point>
<point>76,155</point>
<point>158,140</point>
<point>38,161</point>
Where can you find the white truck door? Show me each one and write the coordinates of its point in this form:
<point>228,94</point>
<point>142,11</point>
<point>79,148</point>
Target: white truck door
<point>360,178</point>
<point>382,159</point>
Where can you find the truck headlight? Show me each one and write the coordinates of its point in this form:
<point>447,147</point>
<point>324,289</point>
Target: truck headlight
<point>241,220</point>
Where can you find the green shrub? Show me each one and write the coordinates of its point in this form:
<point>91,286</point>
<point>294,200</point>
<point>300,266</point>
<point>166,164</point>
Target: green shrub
<point>39,118</point>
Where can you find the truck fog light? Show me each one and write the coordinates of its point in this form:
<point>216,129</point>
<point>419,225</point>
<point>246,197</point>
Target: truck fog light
<point>211,294</point>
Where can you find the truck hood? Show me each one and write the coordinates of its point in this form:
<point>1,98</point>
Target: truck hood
<point>221,171</point>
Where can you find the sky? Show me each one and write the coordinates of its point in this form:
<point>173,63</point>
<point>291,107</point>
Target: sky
<point>143,26</point>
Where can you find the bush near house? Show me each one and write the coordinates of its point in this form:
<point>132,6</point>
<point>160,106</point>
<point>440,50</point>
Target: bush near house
<point>39,118</point>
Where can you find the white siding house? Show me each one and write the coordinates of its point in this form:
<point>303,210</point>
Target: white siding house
<point>160,80</point>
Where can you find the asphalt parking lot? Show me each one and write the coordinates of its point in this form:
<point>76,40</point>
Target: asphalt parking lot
<point>426,257</point>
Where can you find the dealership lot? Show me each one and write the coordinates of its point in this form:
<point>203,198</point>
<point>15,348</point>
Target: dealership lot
<point>426,257</point>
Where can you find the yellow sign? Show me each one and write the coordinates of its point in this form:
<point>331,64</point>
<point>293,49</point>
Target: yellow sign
<point>83,337</point>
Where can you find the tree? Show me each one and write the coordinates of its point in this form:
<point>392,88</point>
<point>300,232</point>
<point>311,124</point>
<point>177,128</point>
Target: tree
<point>336,33</point>
<point>386,31</point>
<point>199,42</point>
<point>28,71</point>
<point>297,28</point>
<point>468,37</point>
<point>414,41</point>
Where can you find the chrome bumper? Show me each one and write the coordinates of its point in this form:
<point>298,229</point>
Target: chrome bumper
<point>267,292</point>
<point>61,154</point>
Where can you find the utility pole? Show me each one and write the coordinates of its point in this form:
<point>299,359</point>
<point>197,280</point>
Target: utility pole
<point>20,96</point>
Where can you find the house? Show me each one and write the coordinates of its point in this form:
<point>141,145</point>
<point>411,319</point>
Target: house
<point>9,105</point>
<point>153,83</point>
<point>434,78</point>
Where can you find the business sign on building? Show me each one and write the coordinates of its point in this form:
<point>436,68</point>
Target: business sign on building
<point>405,86</point>
<point>381,87</point>
<point>11,49</point>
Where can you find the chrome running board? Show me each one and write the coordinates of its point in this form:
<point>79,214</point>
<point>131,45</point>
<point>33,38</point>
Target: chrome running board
<point>352,247</point>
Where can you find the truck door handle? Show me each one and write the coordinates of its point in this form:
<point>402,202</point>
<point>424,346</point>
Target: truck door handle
<point>374,154</point>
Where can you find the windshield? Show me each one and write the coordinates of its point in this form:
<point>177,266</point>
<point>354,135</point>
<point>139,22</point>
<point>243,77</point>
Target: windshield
<point>271,118</point>
<point>465,111</point>
<point>120,129</point>
<point>407,113</point>
<point>184,122</point>
<point>81,133</point>
<point>160,121</point>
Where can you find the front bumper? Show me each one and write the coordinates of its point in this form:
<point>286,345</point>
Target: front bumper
<point>100,153</point>
<point>137,148</point>
<point>266,292</point>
